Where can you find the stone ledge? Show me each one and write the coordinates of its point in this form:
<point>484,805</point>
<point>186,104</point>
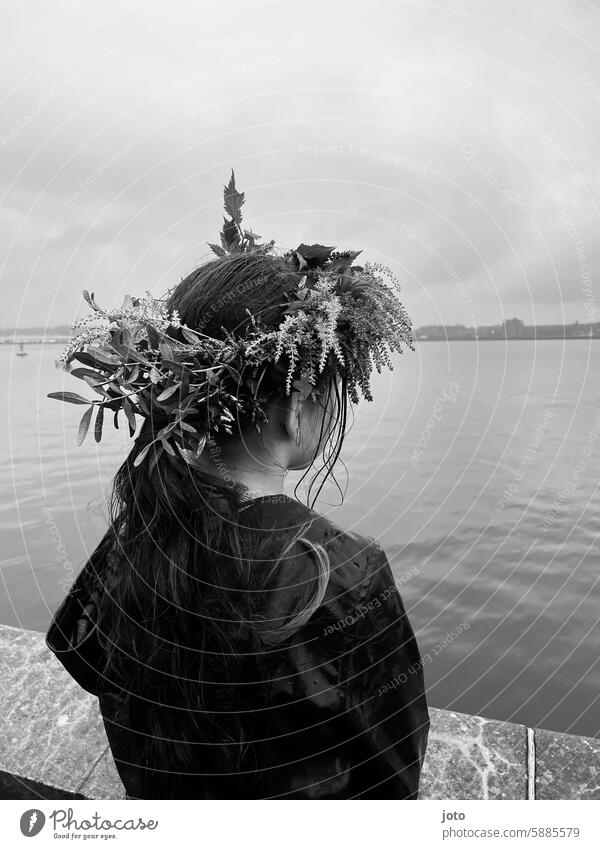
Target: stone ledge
<point>566,763</point>
<point>469,757</point>
<point>54,745</point>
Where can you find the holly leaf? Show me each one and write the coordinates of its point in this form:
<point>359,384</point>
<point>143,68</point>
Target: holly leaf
<point>342,260</point>
<point>302,263</point>
<point>233,199</point>
<point>251,237</point>
<point>218,250</point>
<point>230,237</point>
<point>266,248</point>
<point>314,255</point>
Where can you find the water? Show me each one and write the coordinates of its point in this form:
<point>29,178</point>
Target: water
<point>488,513</point>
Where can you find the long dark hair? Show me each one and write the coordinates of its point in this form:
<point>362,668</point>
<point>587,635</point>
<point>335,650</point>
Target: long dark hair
<point>181,597</point>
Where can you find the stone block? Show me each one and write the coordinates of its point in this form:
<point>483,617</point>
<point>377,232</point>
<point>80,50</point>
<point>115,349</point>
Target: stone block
<point>52,730</point>
<point>567,766</point>
<point>469,757</point>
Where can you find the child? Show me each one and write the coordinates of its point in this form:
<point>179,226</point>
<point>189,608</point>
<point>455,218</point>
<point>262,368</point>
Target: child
<point>240,644</point>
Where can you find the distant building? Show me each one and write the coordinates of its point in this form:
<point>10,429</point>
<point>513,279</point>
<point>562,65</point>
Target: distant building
<point>493,331</point>
<point>513,328</point>
<point>445,332</point>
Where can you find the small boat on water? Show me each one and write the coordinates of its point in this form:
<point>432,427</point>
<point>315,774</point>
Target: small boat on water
<point>22,352</point>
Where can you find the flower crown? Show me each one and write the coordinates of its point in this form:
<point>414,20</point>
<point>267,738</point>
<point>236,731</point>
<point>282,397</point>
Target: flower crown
<point>195,385</point>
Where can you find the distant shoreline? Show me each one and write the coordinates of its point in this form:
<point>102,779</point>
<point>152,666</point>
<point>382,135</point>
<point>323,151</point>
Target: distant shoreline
<point>11,343</point>
<point>518,339</point>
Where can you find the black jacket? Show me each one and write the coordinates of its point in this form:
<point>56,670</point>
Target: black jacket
<point>346,713</point>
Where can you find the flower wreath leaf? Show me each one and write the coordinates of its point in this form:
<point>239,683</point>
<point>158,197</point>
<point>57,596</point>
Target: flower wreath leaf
<point>98,423</point>
<point>84,425</point>
<point>314,255</point>
<point>107,358</point>
<point>234,200</point>
<point>128,410</point>
<point>230,236</point>
<point>89,298</point>
<point>142,455</point>
<point>156,455</point>
<point>168,447</point>
<point>166,351</point>
<point>217,249</point>
<point>70,397</point>
<point>168,392</point>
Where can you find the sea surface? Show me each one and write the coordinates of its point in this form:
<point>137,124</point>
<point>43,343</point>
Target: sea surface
<point>477,467</point>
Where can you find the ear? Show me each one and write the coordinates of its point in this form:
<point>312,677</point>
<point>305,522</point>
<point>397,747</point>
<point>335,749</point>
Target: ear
<point>292,414</point>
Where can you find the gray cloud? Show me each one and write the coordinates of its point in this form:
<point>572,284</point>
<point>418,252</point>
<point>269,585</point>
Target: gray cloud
<point>120,123</point>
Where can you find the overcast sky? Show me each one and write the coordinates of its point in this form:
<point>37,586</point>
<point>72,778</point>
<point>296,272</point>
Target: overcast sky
<point>455,141</point>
